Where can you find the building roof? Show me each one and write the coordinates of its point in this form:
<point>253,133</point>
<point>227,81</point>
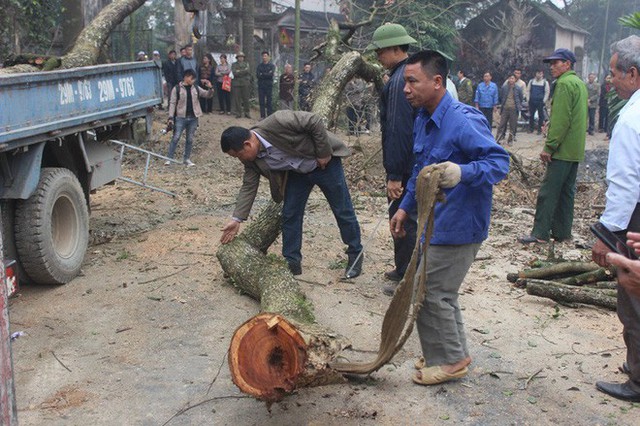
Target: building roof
<point>309,19</point>
<point>557,16</point>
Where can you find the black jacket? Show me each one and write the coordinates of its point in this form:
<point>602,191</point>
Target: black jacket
<point>265,73</point>
<point>170,72</point>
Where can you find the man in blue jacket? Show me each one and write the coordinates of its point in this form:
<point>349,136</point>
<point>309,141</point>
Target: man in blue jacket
<point>457,137</point>
<point>486,99</point>
<point>391,43</point>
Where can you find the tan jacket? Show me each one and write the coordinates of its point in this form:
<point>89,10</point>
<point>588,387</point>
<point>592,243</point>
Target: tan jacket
<point>182,103</point>
<point>295,132</point>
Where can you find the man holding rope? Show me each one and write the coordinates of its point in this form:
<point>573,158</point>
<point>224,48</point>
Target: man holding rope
<point>457,137</point>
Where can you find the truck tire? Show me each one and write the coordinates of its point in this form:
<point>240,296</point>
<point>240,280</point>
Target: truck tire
<point>8,208</point>
<point>52,228</point>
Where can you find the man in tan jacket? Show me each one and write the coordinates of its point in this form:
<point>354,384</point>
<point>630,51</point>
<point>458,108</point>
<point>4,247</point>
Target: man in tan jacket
<point>295,152</point>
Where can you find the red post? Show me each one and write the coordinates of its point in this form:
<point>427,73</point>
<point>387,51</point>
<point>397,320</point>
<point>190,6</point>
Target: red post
<point>8,409</point>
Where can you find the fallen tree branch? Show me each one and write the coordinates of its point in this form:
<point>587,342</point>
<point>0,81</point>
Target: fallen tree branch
<point>554,271</point>
<point>569,294</point>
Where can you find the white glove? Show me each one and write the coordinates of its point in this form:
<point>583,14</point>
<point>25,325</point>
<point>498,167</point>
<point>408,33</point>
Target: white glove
<point>451,175</point>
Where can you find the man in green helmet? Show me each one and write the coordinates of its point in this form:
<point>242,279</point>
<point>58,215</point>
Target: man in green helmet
<point>391,43</point>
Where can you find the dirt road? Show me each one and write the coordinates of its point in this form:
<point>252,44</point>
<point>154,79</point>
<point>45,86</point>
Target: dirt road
<point>143,332</point>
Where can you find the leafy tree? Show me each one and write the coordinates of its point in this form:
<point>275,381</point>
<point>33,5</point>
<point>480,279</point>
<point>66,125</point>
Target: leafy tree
<point>591,15</point>
<point>433,23</point>
<point>29,25</point>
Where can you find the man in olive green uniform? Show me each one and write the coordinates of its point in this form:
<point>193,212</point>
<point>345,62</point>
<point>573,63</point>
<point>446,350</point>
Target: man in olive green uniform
<point>241,86</point>
<point>563,150</point>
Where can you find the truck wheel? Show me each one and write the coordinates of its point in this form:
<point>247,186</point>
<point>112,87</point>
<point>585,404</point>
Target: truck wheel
<point>52,228</point>
<point>9,238</point>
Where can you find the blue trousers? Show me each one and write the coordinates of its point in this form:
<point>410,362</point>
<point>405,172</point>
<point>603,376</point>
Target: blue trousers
<point>333,185</point>
<point>190,125</point>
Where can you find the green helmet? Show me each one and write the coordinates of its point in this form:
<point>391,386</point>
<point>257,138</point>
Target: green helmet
<point>389,35</point>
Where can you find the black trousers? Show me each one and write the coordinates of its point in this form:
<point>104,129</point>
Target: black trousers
<point>629,315</point>
<point>533,107</point>
<point>403,247</point>
<point>488,113</point>
<point>265,98</point>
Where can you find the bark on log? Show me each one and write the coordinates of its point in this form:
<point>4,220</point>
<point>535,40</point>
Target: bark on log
<point>327,102</point>
<point>600,274</point>
<point>554,271</point>
<point>569,294</point>
<point>610,285</point>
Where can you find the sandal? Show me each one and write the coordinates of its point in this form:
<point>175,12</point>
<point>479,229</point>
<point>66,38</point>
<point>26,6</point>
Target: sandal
<point>530,239</point>
<point>436,375</point>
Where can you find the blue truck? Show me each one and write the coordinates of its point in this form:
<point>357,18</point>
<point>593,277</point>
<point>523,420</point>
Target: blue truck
<point>55,129</point>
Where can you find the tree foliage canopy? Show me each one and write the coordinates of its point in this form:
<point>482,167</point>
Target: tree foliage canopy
<point>29,25</point>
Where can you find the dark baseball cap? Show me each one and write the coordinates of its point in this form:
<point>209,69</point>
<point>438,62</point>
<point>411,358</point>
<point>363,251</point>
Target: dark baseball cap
<point>562,54</point>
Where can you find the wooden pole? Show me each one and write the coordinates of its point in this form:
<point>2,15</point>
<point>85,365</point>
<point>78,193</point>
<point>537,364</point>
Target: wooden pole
<point>296,58</point>
<point>8,409</point>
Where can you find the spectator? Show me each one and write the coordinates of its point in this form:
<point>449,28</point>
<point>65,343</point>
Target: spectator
<point>510,104</point>
<point>187,62</point>
<point>170,71</point>
<point>517,72</point>
<point>357,114</point>
<point>241,86</point>
<point>265,74</point>
<point>223,71</point>
<point>305,87</point>
<point>207,77</point>
<point>156,58</point>
<point>486,99</point>
<point>622,209</point>
<point>603,122</point>
<point>563,151</point>
<point>287,82</point>
<point>184,110</point>
<point>538,94</point>
<point>141,56</point>
<point>183,52</point>
<point>391,44</point>
<point>593,90</point>
<point>465,89</point>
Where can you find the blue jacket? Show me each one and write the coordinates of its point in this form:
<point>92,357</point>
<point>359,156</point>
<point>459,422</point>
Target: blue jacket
<point>396,122</point>
<point>486,96</point>
<point>458,133</point>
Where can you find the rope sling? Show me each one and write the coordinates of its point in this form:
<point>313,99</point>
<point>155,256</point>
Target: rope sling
<point>406,302</point>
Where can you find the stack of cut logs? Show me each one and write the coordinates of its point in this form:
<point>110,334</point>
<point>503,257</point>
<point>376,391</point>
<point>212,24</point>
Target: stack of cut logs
<point>570,283</point>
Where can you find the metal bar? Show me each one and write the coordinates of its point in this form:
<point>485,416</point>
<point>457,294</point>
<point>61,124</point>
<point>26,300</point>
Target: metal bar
<point>137,148</point>
<point>146,169</point>
<point>153,188</point>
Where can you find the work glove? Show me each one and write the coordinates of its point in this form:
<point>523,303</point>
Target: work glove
<point>451,175</point>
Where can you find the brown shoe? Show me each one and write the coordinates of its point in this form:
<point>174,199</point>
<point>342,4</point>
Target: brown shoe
<point>393,276</point>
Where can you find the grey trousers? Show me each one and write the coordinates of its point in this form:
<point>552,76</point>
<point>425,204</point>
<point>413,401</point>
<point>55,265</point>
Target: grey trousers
<point>439,321</point>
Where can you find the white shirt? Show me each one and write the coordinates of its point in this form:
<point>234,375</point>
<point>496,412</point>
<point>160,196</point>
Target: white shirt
<point>623,167</point>
<point>451,88</point>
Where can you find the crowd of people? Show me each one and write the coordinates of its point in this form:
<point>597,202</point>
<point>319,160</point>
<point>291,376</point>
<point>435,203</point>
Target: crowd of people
<point>424,121</point>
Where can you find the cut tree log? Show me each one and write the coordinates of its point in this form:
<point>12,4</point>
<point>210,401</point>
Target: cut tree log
<point>554,271</point>
<point>600,274</point>
<point>281,349</point>
<point>570,294</point>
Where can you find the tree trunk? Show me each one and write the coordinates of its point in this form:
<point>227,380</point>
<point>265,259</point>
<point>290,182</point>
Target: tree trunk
<point>87,47</point>
<point>600,274</point>
<point>329,92</point>
<point>181,22</point>
<point>248,25</point>
<point>570,294</point>
<point>558,270</point>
